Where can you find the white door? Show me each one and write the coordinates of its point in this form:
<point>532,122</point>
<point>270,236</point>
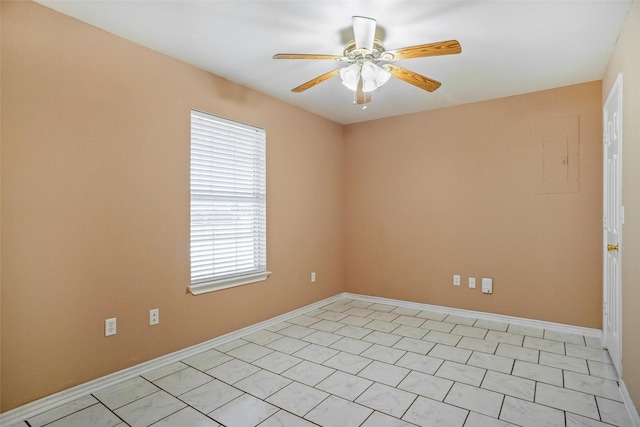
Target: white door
<point>613,220</point>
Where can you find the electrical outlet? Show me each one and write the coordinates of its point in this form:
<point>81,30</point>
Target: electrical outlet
<point>154,316</point>
<point>456,280</point>
<point>472,282</point>
<point>313,277</point>
<point>110,327</point>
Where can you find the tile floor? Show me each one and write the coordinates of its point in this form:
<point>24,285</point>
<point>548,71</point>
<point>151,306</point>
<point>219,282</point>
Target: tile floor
<point>357,363</point>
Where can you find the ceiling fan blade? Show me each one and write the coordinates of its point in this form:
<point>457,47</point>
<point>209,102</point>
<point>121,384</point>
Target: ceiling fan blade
<point>413,78</point>
<point>364,32</point>
<point>311,83</point>
<point>448,47</point>
<point>306,56</point>
<point>362,97</point>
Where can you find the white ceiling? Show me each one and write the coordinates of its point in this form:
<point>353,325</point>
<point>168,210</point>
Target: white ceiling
<point>508,47</point>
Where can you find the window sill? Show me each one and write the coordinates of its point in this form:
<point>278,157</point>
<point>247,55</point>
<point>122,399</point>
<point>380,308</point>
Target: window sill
<point>203,288</point>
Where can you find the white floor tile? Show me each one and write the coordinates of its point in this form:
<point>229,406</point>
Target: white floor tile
<point>574,420</point>
<point>327,326</point>
<point>531,331</point>
<point>233,371</point>
<point>245,411</point>
<point>613,412</point>
<point>378,419</point>
<point>542,344</point>
<point>285,419</point>
<point>505,337</point>
<point>356,320</point>
<point>426,385</point>
<point>533,371</point>
<point>435,325</point>
<point>126,392</point>
<point>388,400</point>
<point>567,400</point>
<point>150,409</point>
<point>263,337</point>
<point>510,385</point>
<point>419,362</point>
<point>460,320</point>
<point>409,321</point>
<point>62,411</point>
<point>592,385</point>
<point>332,315</point>
<point>560,361</point>
<point>478,420</point>
<point>528,414</point>
<point>489,361</point>
<point>602,370</point>
<point>156,374</point>
<point>277,362</point>
<point>211,358</point>
<point>351,331</point>
<point>262,384</point>
<point>442,338</point>
<point>382,338</point>
<point>248,352</point>
<point>347,362</point>
<point>429,413</point>
<point>182,381</point>
<point>344,385</point>
<point>589,353</point>
<point>210,396</point>
<point>478,344</point>
<point>469,331</point>
<point>186,417</point>
<point>475,399</point>
<point>564,336</point>
<point>322,338</point>
<point>446,352</point>
<point>384,373</point>
<point>316,353</point>
<point>336,412</point>
<point>95,416</point>
<point>287,345</point>
<point>414,345</point>
<point>382,326</point>
<point>383,353</point>
<point>517,352</point>
<point>298,398</point>
<point>410,331</point>
<point>351,345</point>
<point>308,373</point>
<point>462,373</point>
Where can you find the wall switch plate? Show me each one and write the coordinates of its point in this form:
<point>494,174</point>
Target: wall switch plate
<point>110,327</point>
<point>313,277</point>
<point>456,280</point>
<point>154,316</point>
<point>472,282</point>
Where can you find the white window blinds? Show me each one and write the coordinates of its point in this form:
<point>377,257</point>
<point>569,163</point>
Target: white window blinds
<point>228,203</point>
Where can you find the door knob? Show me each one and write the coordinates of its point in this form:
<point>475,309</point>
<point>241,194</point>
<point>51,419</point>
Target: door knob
<point>612,248</point>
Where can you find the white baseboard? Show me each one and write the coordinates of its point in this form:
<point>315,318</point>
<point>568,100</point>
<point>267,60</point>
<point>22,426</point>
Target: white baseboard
<point>42,405</point>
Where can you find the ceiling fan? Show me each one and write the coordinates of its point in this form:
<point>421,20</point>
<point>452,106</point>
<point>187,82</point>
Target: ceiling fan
<point>370,64</point>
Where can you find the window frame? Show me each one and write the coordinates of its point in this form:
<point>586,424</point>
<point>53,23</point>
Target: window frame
<point>227,187</point>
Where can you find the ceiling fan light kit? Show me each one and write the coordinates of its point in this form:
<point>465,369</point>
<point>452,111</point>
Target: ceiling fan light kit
<point>370,64</point>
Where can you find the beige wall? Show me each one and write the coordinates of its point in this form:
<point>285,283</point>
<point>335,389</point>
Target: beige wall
<point>451,191</point>
<point>626,60</point>
<point>95,204</point>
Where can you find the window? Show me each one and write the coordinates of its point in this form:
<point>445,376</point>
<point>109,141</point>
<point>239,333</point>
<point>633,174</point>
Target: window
<point>228,203</point>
